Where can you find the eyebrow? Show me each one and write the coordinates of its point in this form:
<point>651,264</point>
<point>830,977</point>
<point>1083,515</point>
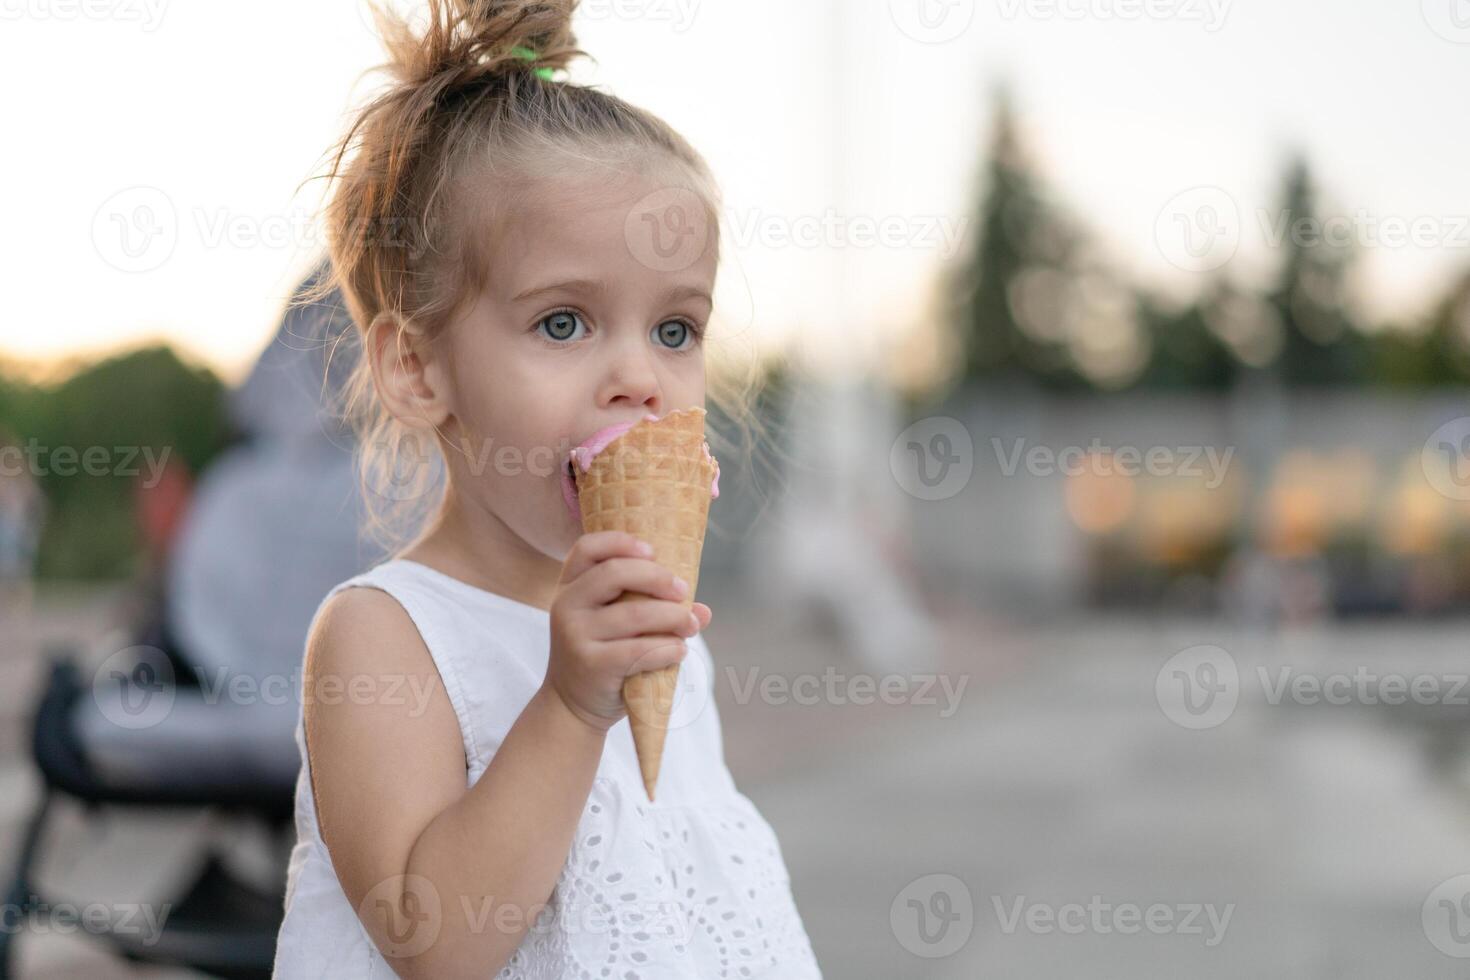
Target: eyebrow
<point>600,285</point>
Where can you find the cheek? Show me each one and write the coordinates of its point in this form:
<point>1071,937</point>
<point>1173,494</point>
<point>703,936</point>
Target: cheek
<point>688,385</point>
<point>494,398</point>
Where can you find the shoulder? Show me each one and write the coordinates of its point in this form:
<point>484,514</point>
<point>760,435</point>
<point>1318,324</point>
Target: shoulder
<point>364,655</point>
<point>365,623</point>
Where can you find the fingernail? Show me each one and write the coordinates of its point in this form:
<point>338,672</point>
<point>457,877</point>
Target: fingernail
<point>694,622</point>
<point>644,548</point>
<point>681,586</point>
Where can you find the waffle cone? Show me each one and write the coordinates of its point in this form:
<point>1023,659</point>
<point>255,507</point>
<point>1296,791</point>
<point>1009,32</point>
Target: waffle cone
<point>653,481</point>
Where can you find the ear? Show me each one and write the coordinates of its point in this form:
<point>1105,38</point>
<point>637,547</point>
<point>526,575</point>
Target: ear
<point>409,382</point>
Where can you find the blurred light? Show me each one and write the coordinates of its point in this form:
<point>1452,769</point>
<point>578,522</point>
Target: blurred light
<point>1351,478</point>
<point>1251,328</point>
<point>1296,508</point>
<point>1181,519</point>
<point>1102,326</point>
<point>1099,498</point>
<point>1294,521</point>
<point>1415,517</point>
<point>1040,301</point>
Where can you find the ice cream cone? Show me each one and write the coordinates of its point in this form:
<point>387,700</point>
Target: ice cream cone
<point>654,481</point>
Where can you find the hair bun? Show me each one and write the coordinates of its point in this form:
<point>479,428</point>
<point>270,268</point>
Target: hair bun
<point>467,40</point>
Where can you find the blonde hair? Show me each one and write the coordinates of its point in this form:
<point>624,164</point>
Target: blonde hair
<point>466,104</point>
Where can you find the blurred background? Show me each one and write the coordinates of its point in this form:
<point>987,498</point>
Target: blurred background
<point>1096,602</point>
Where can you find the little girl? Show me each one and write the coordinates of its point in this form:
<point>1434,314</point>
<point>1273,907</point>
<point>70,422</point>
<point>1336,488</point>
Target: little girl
<point>528,261</point>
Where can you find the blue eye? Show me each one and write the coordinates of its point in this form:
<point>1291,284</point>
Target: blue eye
<point>672,333</point>
<point>561,325</point>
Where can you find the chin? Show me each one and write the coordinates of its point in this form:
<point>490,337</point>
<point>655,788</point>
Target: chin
<point>560,540</point>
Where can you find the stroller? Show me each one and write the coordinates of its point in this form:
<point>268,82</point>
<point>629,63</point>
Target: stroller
<point>271,526</point>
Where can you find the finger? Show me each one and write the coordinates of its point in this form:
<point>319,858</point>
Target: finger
<point>621,620</point>
<point>703,613</point>
<point>615,576</point>
<point>599,546</point>
<point>647,653</point>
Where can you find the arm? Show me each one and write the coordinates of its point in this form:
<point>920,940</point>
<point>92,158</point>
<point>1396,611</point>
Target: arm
<point>435,845</point>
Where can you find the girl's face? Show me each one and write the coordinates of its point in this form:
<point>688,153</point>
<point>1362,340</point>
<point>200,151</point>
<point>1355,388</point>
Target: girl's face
<point>593,314</point>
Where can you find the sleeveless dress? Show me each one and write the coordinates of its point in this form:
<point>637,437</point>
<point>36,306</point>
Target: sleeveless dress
<point>692,885</point>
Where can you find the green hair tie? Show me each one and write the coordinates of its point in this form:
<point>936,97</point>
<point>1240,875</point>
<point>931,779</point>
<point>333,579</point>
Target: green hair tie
<point>526,54</point>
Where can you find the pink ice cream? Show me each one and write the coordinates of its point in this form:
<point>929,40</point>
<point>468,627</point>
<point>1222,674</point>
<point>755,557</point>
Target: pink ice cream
<point>583,455</point>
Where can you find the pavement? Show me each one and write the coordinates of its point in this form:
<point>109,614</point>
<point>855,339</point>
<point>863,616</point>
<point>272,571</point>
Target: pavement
<point>1029,834</point>
<point>1057,818</point>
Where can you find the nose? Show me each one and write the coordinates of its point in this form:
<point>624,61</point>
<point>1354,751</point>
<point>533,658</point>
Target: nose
<point>632,382</point>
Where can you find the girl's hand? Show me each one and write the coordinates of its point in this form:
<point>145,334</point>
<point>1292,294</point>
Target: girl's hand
<point>595,642</point>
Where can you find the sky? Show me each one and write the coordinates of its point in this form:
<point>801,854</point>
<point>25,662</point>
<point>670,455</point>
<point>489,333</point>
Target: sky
<point>160,150</point>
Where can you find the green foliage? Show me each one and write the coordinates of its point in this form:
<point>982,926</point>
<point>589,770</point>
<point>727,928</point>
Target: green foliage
<point>133,412</point>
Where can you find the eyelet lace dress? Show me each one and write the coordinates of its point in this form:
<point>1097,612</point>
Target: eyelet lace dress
<point>692,885</point>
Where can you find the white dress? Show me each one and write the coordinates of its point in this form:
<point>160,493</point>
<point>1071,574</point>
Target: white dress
<point>692,885</point>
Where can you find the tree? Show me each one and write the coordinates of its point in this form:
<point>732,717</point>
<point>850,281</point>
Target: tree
<point>1321,344</point>
<point>1186,353</point>
<point>1010,292</point>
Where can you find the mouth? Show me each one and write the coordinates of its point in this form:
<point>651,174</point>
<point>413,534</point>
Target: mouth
<point>588,448</point>
<point>569,490</point>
